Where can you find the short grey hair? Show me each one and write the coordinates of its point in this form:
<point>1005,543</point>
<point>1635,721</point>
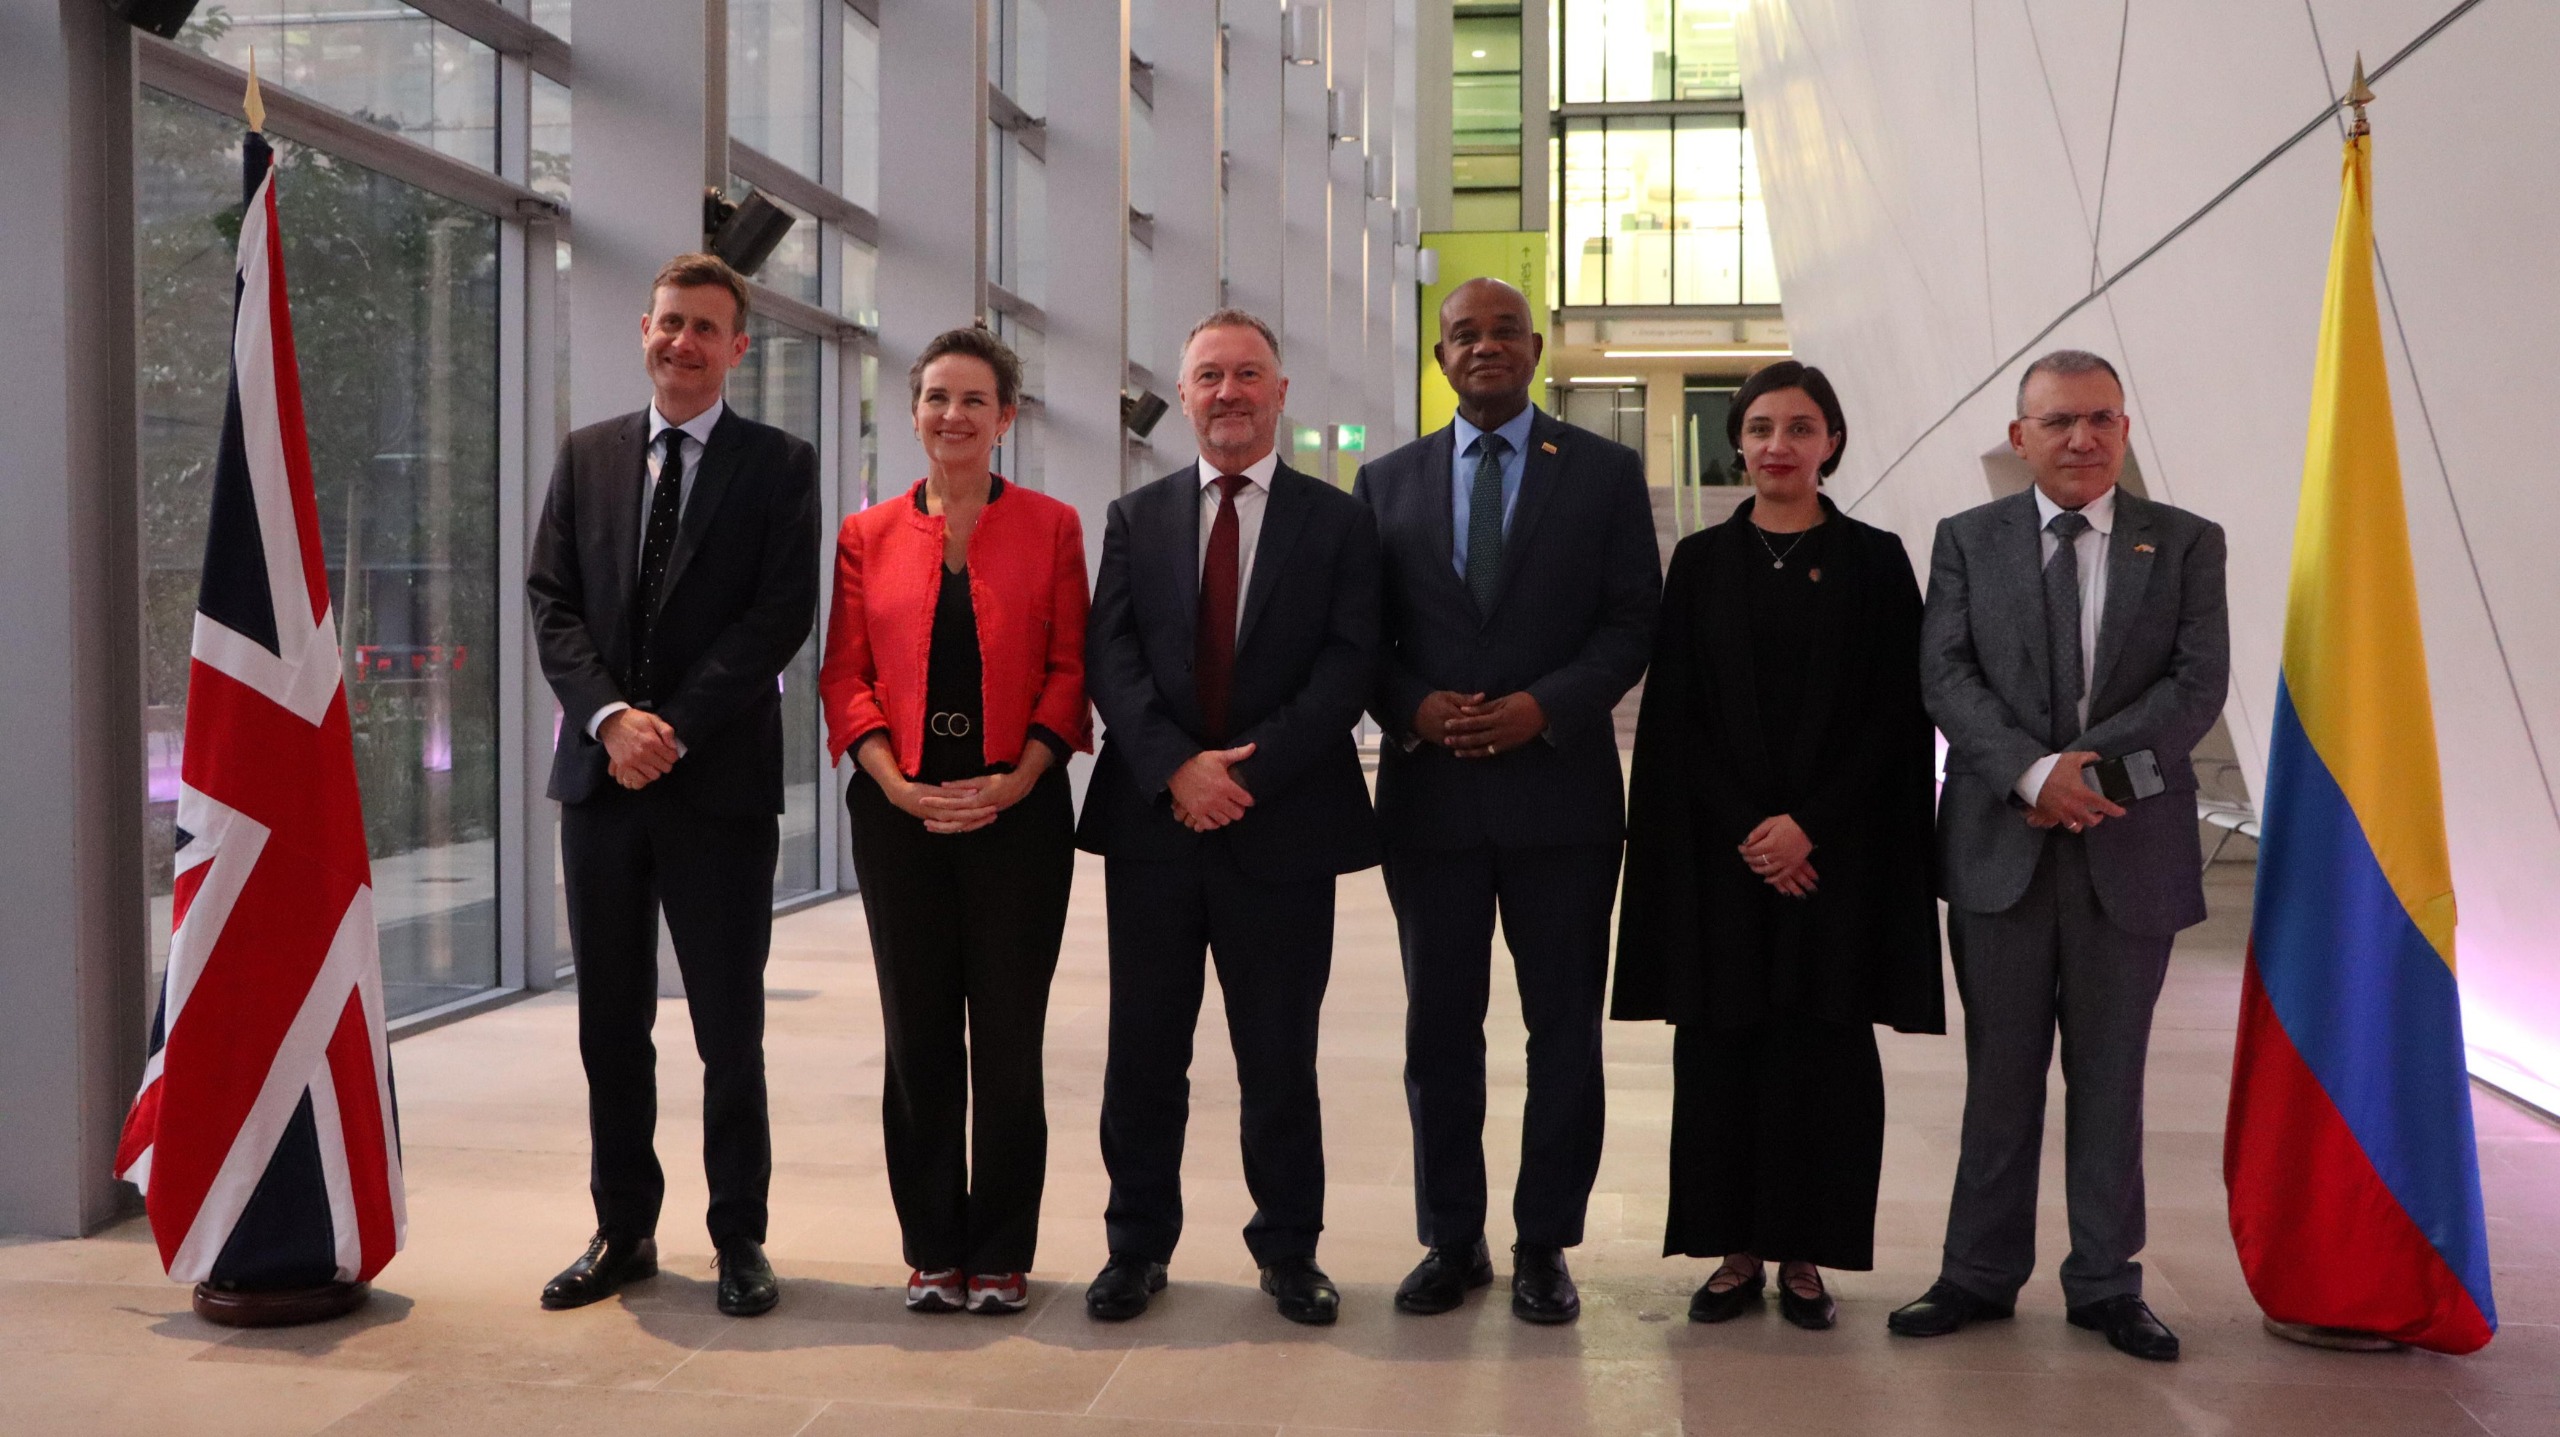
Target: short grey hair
<point>1235,319</point>
<point>2066,361</point>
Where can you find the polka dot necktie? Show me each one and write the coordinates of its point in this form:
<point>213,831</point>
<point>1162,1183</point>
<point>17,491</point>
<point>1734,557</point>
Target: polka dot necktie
<point>657,544</point>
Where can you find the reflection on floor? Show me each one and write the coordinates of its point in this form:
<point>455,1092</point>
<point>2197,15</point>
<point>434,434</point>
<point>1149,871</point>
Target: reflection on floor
<point>93,1340</point>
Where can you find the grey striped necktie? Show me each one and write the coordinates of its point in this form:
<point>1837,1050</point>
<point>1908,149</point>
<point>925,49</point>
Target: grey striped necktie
<point>2062,623</point>
<point>1484,523</point>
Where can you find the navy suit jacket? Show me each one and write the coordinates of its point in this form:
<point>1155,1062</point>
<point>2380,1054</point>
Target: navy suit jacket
<point>1572,625</point>
<point>1306,658</point>
<point>740,596</point>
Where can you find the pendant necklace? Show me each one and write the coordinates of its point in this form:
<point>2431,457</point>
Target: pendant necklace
<point>1778,560</point>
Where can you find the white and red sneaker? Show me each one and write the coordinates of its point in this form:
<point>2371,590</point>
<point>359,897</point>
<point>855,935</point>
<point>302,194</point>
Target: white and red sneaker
<point>996,1293</point>
<point>938,1291</point>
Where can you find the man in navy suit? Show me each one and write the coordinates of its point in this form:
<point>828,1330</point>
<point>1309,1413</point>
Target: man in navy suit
<point>1233,642</point>
<point>1522,578</point>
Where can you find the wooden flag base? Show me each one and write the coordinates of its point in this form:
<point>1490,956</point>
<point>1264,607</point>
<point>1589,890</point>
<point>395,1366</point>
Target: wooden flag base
<point>279,1307</point>
<point>2335,1339</point>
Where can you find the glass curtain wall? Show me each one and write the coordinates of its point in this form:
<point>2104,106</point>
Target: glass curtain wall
<point>377,60</point>
<point>395,313</point>
<point>1018,210</point>
<point>1617,51</point>
<point>1661,209</point>
<point>1484,154</point>
<point>778,383</point>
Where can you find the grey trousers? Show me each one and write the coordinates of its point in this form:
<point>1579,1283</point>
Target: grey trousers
<point>2053,958</point>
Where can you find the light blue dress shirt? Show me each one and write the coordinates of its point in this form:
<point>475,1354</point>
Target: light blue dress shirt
<point>1462,475</point>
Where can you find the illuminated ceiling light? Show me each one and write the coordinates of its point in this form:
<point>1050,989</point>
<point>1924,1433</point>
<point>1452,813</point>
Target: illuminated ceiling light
<point>1602,379</point>
<point>1478,54</point>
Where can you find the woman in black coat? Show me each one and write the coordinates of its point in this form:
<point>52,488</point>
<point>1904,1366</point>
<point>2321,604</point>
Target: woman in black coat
<point>1778,899</point>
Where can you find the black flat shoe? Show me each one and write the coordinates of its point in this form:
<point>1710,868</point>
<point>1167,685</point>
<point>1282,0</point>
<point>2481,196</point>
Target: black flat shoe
<point>1302,1292</point>
<point>2130,1327</point>
<point>1444,1277</point>
<point>1944,1308</point>
<point>600,1272</point>
<point>1542,1291</point>
<point>1120,1291</point>
<point>748,1287</point>
<point>1814,1314</point>
<point>1714,1304</point>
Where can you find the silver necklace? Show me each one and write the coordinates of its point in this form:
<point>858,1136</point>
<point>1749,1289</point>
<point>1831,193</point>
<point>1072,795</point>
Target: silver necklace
<point>1776,559</point>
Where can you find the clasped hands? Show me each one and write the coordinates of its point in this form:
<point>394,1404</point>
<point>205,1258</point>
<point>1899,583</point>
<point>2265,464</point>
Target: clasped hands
<point>1206,793</point>
<point>1780,854</point>
<point>2067,801</point>
<point>639,747</point>
<point>961,805</point>
<point>1470,727</point>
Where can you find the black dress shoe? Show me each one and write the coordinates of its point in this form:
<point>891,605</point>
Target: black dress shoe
<point>1814,1314</point>
<point>2130,1328</point>
<point>748,1287</point>
<point>1444,1277</point>
<point>1944,1308</point>
<point>600,1272</point>
<point>1301,1291</point>
<point>1120,1291</point>
<point>1541,1290</point>
<point>1713,1304</point>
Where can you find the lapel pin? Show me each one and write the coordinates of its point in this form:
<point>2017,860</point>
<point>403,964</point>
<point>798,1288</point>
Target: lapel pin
<point>2143,549</point>
<point>1548,445</point>
<point>1813,576</point>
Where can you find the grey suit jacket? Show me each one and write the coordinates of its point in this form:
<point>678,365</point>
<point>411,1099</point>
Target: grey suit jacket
<point>2162,668</point>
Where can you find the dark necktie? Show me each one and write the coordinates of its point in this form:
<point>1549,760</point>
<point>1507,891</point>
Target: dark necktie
<point>2062,623</point>
<point>657,543</point>
<point>1214,647</point>
<point>1484,523</point>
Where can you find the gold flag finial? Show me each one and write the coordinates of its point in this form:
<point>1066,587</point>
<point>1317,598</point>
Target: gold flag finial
<point>254,104</point>
<point>2359,95</point>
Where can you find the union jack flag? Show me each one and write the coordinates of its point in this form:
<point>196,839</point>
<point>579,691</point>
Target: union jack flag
<point>264,1138</point>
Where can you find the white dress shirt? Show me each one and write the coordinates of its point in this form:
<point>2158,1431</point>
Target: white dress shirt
<point>1250,502</point>
<point>697,433</point>
<point>2091,550</point>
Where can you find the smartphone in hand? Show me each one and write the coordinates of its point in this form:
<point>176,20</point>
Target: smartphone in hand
<point>2124,780</point>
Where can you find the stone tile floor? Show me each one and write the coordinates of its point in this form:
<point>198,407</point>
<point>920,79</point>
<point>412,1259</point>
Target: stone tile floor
<point>94,1340</point>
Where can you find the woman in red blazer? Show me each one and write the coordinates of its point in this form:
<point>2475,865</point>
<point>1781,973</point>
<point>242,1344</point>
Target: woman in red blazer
<point>955,676</point>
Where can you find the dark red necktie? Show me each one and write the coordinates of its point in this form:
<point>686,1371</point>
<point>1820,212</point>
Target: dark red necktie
<point>1214,648</point>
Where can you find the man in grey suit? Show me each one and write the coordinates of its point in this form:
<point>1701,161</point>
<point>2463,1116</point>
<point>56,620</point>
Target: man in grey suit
<point>2067,625</point>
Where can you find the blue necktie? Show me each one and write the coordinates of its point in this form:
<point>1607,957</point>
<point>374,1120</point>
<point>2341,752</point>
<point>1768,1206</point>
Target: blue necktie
<point>1484,523</point>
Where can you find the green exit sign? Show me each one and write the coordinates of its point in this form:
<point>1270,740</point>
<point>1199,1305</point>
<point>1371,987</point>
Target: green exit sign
<point>1355,439</point>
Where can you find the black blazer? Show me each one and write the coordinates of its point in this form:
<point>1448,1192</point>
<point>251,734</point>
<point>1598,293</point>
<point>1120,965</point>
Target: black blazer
<point>1572,625</point>
<point>741,594</point>
<point>1701,938</point>
<point>1306,656</point>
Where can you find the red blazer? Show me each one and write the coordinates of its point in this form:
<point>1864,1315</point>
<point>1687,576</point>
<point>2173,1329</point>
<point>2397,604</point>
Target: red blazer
<point>1027,586</point>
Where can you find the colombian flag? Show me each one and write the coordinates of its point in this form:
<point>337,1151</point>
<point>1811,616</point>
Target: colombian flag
<point>2354,1183</point>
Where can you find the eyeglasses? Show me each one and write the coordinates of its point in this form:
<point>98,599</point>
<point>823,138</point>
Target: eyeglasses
<point>2100,421</point>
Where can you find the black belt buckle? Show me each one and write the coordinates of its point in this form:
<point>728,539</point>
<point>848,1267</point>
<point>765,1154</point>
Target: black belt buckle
<point>949,724</point>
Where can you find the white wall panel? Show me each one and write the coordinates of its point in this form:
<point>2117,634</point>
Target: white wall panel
<point>1895,138</point>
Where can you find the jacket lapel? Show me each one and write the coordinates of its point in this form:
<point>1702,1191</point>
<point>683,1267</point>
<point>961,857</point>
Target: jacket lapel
<point>1830,598</point>
<point>625,480</point>
<point>1175,543</point>
<point>2129,565</point>
<point>2021,572</point>
<point>1727,625</point>
<point>1284,513</point>
<point>1539,473</point>
<point>1439,506</point>
<point>720,459</point>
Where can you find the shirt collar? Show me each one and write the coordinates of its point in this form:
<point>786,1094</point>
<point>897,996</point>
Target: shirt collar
<point>1514,431</point>
<point>698,428</point>
<point>1258,473</point>
<point>2100,512</point>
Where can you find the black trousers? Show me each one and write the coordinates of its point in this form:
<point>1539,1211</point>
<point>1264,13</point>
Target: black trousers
<point>1273,945</point>
<point>624,856</point>
<point>1777,1142</point>
<point>964,936</point>
<point>1554,903</point>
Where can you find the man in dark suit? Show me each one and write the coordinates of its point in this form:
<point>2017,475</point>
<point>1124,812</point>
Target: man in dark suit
<point>1233,640</point>
<point>2065,625</point>
<point>1522,578</point>
<point>674,574</point>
